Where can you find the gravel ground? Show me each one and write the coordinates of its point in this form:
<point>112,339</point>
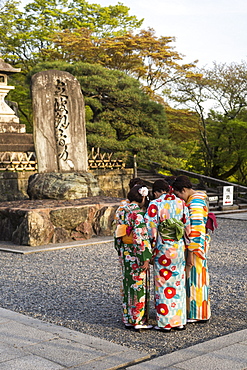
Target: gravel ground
<point>79,288</point>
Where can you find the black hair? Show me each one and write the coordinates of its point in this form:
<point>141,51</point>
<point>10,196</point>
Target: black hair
<point>134,194</point>
<point>181,182</point>
<point>170,179</point>
<point>136,181</point>
<point>160,186</point>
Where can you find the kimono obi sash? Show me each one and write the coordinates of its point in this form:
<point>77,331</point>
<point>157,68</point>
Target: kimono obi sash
<point>124,232</point>
<point>120,231</point>
<point>171,228</point>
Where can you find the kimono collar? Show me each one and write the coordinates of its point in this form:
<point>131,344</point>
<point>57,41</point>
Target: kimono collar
<point>197,195</point>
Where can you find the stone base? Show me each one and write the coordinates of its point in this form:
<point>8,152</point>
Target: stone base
<point>13,185</point>
<point>229,208</point>
<point>39,222</point>
<point>112,182</point>
<point>9,119</point>
<point>54,185</point>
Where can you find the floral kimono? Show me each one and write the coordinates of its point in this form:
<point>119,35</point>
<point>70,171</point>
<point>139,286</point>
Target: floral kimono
<point>135,287</point>
<point>197,284</point>
<point>169,258</point>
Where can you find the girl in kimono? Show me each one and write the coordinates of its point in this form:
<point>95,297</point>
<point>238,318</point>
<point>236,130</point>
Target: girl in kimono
<point>134,250</point>
<point>197,280</point>
<point>167,220</point>
<point>133,182</point>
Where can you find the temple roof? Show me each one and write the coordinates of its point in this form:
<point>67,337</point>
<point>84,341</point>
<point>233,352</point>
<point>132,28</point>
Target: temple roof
<point>7,68</point>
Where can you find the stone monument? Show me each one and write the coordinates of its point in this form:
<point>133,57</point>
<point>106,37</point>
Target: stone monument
<point>59,122</point>
<point>64,202</point>
<point>60,138</point>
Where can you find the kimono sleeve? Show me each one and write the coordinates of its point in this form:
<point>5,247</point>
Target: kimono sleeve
<point>198,229</point>
<point>119,212</point>
<point>187,226</point>
<point>152,219</point>
<point>119,219</point>
<point>141,241</point>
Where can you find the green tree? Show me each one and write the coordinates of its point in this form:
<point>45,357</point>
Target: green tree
<point>24,35</point>
<point>73,31</point>
<point>183,128</point>
<point>222,128</point>
<point>22,96</point>
<point>227,139</point>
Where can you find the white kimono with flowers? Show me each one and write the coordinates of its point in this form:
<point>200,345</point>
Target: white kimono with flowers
<point>169,261</point>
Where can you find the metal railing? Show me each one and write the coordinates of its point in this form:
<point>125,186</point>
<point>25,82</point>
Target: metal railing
<point>213,186</point>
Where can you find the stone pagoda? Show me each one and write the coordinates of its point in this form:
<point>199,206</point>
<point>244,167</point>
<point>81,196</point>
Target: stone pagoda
<point>9,122</point>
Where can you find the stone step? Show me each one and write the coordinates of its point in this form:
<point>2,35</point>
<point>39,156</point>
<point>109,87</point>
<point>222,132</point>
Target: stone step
<point>242,205</point>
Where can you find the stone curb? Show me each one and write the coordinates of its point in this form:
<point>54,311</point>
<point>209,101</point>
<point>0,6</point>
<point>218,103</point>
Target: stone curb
<point>223,353</point>
<point>23,249</point>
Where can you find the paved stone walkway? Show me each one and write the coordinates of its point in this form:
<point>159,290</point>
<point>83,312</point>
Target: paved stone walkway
<point>27,343</point>
<point>234,216</point>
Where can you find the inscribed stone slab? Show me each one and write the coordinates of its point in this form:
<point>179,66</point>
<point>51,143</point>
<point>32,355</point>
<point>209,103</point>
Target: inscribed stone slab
<point>59,122</point>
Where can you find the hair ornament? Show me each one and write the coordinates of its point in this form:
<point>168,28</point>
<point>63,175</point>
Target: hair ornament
<point>143,191</point>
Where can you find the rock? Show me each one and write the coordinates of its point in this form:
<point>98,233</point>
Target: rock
<point>35,229</point>
<point>69,218</point>
<point>10,220</point>
<point>40,222</point>
<point>85,229</point>
<point>60,235</point>
<point>6,228</point>
<point>78,221</point>
<point>75,235</point>
<point>62,186</point>
<point>103,220</point>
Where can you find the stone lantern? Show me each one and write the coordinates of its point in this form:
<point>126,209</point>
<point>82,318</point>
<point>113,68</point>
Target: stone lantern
<point>9,122</point>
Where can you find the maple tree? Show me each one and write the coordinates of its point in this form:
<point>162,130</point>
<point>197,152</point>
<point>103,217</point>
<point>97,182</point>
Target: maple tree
<point>150,59</point>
